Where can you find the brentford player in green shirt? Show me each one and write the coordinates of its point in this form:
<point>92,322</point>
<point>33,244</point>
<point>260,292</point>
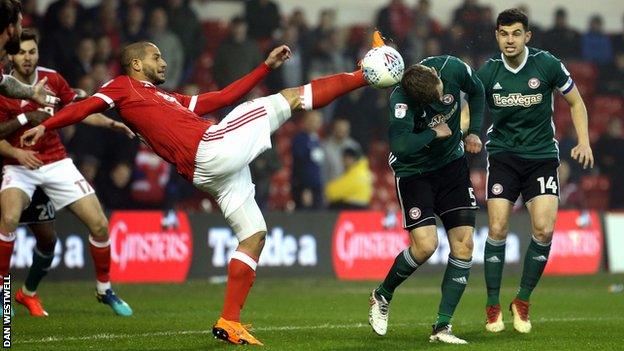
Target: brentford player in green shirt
<point>432,179</point>
<point>523,155</point>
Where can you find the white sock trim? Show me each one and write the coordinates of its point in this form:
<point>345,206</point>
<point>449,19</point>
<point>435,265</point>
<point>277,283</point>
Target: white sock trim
<point>99,243</point>
<point>237,255</point>
<point>101,287</point>
<point>10,237</point>
<point>495,242</point>
<point>306,97</point>
<point>28,292</point>
<point>539,242</point>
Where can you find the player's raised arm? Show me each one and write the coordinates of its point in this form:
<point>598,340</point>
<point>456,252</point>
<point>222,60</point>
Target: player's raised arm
<point>71,114</point>
<point>212,101</point>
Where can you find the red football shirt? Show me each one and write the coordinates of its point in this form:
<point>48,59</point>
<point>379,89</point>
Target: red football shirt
<point>50,149</point>
<point>165,120</point>
<point>169,122</point>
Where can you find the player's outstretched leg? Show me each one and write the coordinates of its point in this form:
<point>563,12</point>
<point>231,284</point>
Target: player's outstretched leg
<point>43,255</point>
<point>322,91</point>
<point>89,211</point>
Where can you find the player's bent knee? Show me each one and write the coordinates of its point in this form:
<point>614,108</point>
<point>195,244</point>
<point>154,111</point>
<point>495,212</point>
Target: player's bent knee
<point>543,236</point>
<point>498,230</point>
<point>424,248</point>
<point>10,220</point>
<point>99,228</point>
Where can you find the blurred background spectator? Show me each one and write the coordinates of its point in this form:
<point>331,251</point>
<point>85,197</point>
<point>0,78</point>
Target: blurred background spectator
<point>353,189</point>
<point>308,158</point>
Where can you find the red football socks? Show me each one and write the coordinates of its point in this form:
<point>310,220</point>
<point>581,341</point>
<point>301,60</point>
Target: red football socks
<point>6,250</point>
<point>101,253</point>
<point>320,92</point>
<point>241,276</point>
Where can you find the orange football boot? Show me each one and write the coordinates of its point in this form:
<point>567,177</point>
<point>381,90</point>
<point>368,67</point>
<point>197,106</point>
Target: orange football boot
<point>234,332</point>
<point>32,303</point>
<point>378,40</point>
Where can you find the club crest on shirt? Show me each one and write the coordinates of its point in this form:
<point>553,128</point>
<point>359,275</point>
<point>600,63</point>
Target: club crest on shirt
<point>400,110</point>
<point>534,83</point>
<point>447,99</point>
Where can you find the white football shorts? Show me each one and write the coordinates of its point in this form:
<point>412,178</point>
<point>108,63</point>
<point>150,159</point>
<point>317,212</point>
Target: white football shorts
<point>60,180</point>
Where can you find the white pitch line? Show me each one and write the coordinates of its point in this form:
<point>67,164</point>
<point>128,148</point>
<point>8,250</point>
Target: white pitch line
<point>106,336</point>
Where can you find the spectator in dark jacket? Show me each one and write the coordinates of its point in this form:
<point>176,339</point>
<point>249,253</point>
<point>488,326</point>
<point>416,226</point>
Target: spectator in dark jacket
<point>308,157</point>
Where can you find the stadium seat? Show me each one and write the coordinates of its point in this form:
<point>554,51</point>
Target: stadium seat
<point>596,191</point>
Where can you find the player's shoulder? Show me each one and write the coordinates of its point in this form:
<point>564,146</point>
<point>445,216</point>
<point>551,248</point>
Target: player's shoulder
<point>46,72</point>
<point>117,82</point>
<point>542,56</point>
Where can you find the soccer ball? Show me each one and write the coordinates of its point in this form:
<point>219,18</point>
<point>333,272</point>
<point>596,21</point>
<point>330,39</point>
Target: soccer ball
<point>383,67</point>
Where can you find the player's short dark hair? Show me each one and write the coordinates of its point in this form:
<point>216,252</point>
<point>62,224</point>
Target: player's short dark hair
<point>131,52</point>
<point>511,16</point>
<point>9,13</point>
<point>421,84</point>
<point>29,34</point>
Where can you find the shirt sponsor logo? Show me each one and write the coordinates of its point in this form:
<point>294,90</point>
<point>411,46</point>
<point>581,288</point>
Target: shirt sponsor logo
<point>534,83</point>
<point>440,118</point>
<point>400,110</point>
<point>517,99</point>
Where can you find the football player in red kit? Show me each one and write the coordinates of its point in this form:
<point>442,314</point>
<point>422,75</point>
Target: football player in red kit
<point>47,166</point>
<point>214,157</point>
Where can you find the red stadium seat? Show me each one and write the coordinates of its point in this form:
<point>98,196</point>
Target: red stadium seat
<point>596,191</point>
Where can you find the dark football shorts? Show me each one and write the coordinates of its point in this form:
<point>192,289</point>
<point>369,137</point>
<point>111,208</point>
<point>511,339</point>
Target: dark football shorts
<point>40,209</point>
<point>510,175</point>
<point>438,192</point>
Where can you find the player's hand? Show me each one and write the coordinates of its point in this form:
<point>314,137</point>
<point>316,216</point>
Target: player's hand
<point>42,95</point>
<point>473,143</point>
<point>584,155</point>
<point>278,56</point>
<point>28,158</point>
<point>31,136</point>
<point>442,131</point>
<point>37,117</point>
<point>122,128</point>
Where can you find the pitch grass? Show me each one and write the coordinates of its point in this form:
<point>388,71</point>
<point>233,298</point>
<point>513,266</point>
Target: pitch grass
<point>568,313</point>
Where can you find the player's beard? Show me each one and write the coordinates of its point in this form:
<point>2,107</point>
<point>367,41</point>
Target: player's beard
<point>153,76</point>
<point>12,46</point>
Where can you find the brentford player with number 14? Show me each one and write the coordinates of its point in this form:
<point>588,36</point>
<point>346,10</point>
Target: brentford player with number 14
<point>49,168</point>
<point>523,156</point>
<point>215,158</point>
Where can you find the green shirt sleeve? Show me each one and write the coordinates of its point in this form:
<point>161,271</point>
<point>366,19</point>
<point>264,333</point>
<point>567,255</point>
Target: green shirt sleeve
<point>403,140</point>
<point>475,95</point>
<point>558,74</point>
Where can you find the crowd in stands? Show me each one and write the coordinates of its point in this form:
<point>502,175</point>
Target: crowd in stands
<point>318,153</point>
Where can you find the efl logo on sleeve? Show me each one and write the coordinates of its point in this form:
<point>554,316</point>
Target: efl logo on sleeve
<point>400,110</point>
